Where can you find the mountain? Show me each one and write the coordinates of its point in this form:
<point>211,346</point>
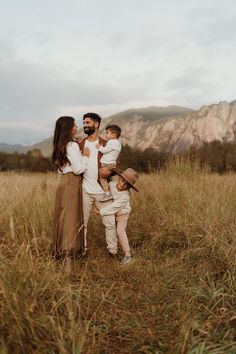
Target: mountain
<point>125,119</point>
<point>45,146</point>
<point>150,114</point>
<point>171,129</point>
<point>176,132</point>
<point>12,148</point>
<point>214,122</point>
<point>142,127</point>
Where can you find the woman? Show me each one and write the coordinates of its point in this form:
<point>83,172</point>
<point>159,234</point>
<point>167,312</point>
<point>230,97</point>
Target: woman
<point>68,233</point>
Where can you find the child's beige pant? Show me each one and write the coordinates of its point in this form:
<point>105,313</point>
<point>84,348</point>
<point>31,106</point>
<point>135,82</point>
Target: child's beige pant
<point>121,223</point>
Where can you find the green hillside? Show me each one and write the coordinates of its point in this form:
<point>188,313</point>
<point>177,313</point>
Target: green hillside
<point>148,114</point>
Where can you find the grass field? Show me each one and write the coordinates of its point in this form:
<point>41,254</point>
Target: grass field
<point>179,296</point>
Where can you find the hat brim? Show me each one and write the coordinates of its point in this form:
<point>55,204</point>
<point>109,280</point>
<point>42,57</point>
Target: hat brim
<point>130,183</point>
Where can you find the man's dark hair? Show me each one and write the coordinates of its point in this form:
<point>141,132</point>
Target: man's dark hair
<point>94,116</point>
<point>115,129</point>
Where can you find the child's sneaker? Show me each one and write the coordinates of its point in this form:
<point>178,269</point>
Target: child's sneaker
<point>126,260</point>
<point>107,196</point>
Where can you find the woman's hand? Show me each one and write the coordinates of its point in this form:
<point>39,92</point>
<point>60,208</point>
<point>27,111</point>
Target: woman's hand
<point>78,139</point>
<point>86,152</point>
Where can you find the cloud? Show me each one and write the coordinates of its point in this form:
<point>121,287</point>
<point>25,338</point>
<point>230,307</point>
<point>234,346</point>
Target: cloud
<point>191,86</point>
<point>212,27</point>
<point>34,95</point>
<point>191,78</point>
<point>58,59</point>
<point>29,88</point>
<point>7,47</point>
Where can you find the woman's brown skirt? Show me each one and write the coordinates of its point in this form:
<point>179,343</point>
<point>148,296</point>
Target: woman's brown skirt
<point>68,233</point>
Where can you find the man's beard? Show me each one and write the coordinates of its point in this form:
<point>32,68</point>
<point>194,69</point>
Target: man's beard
<point>89,130</point>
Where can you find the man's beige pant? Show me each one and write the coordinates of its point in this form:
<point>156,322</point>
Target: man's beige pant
<point>108,220</point>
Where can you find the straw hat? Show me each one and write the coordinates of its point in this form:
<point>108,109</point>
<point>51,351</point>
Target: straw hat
<point>130,176</point>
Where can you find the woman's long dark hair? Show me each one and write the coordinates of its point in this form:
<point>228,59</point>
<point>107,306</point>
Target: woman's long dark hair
<point>62,135</point>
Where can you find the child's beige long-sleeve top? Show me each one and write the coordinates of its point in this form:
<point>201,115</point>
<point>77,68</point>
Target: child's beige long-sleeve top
<point>120,204</point>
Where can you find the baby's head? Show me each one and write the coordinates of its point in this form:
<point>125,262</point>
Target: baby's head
<point>113,131</point>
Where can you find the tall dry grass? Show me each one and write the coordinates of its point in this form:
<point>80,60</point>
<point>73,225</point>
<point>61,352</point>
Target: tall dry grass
<point>178,296</point>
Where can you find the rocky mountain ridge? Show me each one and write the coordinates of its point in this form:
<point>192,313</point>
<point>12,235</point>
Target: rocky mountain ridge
<point>171,129</point>
<point>176,134</point>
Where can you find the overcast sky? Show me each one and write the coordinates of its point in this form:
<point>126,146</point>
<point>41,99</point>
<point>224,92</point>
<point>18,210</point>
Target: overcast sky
<point>69,57</point>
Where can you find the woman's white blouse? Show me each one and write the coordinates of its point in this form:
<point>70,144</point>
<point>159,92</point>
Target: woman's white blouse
<point>78,163</point>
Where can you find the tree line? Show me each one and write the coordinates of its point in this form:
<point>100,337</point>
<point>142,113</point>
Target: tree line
<point>32,161</point>
<point>218,156</point>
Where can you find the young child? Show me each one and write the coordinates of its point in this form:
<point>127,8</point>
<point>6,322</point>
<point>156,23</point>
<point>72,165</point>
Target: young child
<point>121,208</point>
<point>110,155</point>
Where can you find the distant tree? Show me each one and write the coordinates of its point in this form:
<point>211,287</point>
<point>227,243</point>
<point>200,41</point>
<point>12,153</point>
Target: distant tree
<point>148,160</point>
<point>32,161</point>
<point>219,156</point>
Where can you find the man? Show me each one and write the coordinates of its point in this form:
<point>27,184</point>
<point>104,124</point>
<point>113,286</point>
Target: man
<point>92,190</point>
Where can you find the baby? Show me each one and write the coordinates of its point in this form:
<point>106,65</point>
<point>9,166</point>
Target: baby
<point>110,155</point>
